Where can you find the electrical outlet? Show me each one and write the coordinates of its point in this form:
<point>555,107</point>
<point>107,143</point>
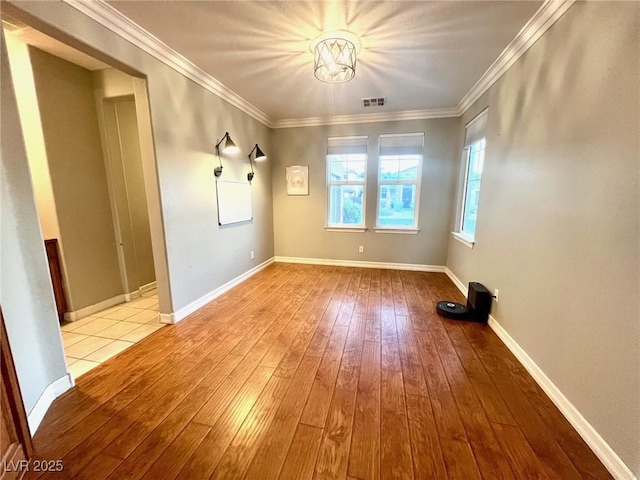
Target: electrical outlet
<point>496,292</point>
<point>361,249</point>
<point>253,255</point>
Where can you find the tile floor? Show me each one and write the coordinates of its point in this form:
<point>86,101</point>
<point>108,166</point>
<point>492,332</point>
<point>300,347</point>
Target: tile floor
<point>92,340</point>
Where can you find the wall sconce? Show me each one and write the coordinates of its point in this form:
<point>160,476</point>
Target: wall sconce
<point>229,147</point>
<point>259,157</point>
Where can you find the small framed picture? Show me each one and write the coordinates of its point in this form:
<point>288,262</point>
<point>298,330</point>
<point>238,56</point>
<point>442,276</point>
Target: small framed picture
<point>298,180</point>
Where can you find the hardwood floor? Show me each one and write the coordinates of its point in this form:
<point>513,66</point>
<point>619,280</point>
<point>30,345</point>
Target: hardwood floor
<point>315,372</point>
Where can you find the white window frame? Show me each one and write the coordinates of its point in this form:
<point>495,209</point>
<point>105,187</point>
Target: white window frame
<point>343,227</point>
<point>475,133</point>
<point>410,229</point>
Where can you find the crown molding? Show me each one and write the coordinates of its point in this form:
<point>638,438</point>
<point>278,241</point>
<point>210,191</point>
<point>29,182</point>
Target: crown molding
<point>109,17</point>
<point>367,118</point>
<point>126,28</point>
<point>542,20</point>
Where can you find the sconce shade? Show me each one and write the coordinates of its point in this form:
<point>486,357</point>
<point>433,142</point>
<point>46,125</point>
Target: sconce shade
<point>259,154</point>
<point>229,147</point>
<point>334,60</point>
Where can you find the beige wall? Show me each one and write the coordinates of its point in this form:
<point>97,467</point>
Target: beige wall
<point>558,218</point>
<point>74,153</point>
<point>134,177</point>
<point>115,103</point>
<point>26,294</point>
<point>299,221</point>
<point>25,89</point>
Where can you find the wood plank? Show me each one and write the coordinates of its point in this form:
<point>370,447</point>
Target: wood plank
<point>399,300</point>
<point>237,458</point>
<point>289,363</point>
<point>333,457</point>
<point>412,374</point>
<point>272,451</point>
<point>395,446</point>
<point>204,460</point>
<point>364,460</point>
<point>99,467</point>
<point>425,443</point>
<point>301,457</point>
<point>523,460</point>
<point>149,410</point>
<point>459,460</point>
<point>178,452</point>
<point>350,364</point>
<point>360,307</point>
<point>317,407</point>
<point>372,332</point>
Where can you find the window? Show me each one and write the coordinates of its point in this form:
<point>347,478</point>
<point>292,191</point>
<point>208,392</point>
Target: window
<point>346,181</point>
<point>475,161</point>
<point>474,145</point>
<point>399,176</point>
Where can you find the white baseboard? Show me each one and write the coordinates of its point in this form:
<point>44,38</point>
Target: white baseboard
<point>91,309</point>
<point>456,281</point>
<point>175,317</point>
<point>132,295</point>
<point>50,393</point>
<point>592,438</point>
<point>148,286</point>
<point>138,293</point>
<point>355,263</point>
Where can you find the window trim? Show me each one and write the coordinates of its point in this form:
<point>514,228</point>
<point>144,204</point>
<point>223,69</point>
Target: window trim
<point>412,229</point>
<point>475,130</point>
<point>463,235</point>
<point>342,227</point>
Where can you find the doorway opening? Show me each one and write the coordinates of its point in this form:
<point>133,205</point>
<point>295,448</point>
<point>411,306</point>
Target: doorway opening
<point>87,134</point>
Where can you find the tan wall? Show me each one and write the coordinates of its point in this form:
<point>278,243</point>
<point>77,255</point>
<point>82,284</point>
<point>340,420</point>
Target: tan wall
<point>299,221</point>
<point>74,153</point>
<point>558,217</point>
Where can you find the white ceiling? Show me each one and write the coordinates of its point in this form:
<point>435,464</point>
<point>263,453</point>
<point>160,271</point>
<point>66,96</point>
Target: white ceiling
<point>420,55</point>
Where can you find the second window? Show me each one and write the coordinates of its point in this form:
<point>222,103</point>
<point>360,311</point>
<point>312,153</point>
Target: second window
<point>399,175</point>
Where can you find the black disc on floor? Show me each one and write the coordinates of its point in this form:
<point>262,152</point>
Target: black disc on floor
<point>452,309</point>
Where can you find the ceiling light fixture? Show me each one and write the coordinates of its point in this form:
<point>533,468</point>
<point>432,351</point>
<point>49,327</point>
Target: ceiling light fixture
<point>335,56</point>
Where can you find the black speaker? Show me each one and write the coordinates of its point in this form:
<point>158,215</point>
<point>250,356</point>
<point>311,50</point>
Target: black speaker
<point>478,302</point>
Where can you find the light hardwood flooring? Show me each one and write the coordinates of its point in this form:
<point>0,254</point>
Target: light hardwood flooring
<point>315,372</point>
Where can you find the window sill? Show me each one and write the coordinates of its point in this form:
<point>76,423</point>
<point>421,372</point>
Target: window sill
<point>405,231</point>
<point>345,229</point>
<point>464,239</point>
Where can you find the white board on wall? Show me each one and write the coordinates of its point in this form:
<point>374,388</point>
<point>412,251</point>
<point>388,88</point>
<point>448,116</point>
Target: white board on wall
<point>234,202</point>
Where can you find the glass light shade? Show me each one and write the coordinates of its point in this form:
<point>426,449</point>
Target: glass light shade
<point>334,60</point>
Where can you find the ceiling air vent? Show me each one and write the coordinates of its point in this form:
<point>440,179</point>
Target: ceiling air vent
<point>373,102</point>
